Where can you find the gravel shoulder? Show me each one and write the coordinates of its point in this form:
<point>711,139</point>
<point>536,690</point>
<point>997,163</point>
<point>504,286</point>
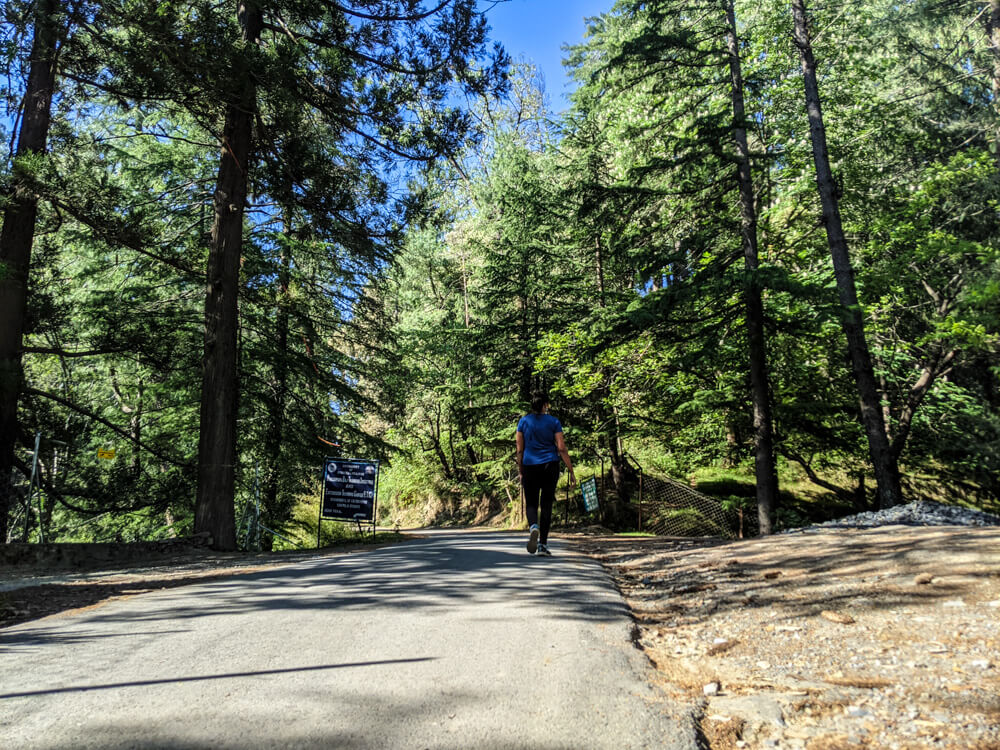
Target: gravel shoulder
<point>833,638</point>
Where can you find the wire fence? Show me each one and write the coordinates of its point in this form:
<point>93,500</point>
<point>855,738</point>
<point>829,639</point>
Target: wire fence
<point>66,492</point>
<point>16,497</point>
<point>670,508</point>
<point>62,491</point>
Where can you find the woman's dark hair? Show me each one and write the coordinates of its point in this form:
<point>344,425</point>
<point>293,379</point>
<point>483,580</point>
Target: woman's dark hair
<point>538,401</point>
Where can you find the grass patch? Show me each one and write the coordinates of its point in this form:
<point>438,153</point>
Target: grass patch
<point>723,483</point>
<point>335,534</point>
<point>800,502</point>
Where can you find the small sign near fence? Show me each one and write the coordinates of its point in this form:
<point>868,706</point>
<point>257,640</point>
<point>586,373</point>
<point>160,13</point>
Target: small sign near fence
<point>350,491</point>
<point>588,488</point>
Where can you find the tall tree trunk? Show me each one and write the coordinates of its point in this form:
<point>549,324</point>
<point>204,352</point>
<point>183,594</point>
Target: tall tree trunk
<point>17,236</point>
<point>460,473</point>
<point>48,504</point>
<point>607,412</point>
<point>599,269</point>
<point>468,323</point>
<point>883,461</point>
<point>435,432</point>
<point>136,425</point>
<point>938,365</point>
<point>623,476</point>
<point>466,435</point>
<point>731,459</point>
<point>214,512</point>
<point>993,40</point>
<point>276,408</point>
<point>763,432</point>
<point>525,379</point>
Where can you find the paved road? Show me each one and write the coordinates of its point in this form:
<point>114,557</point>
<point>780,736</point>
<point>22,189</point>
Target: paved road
<point>458,640</point>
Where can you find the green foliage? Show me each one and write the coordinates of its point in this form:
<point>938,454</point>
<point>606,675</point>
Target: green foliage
<point>635,212</point>
<point>408,484</point>
<point>723,483</point>
<point>116,327</point>
<point>404,306</point>
<point>300,526</point>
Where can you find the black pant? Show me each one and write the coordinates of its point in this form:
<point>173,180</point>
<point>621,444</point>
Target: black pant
<point>540,478</point>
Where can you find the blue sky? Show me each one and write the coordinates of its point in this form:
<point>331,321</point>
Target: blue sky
<point>536,31</point>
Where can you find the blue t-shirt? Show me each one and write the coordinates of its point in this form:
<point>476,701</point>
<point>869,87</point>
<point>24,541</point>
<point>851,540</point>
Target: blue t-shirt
<point>539,432</point>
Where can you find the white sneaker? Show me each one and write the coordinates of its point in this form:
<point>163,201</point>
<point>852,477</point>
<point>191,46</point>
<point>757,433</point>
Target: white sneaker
<point>533,540</point>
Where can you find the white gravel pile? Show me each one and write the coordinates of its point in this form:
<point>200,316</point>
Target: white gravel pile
<point>920,513</point>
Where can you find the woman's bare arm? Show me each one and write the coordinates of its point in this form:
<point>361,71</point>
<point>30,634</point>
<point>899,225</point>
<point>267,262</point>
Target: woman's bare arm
<point>564,454</point>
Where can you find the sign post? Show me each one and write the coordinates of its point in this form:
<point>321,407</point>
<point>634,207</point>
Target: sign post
<point>588,488</point>
<point>350,492</point>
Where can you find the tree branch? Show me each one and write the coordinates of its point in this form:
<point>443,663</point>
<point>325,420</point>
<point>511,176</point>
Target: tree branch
<point>114,428</point>
<point>813,476</point>
<point>370,17</point>
<point>938,366</point>
<point>68,354</point>
<point>383,64</point>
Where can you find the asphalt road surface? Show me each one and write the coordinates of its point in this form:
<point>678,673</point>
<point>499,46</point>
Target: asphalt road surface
<point>457,640</point>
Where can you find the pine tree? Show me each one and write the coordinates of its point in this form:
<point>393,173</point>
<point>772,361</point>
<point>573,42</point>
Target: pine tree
<point>18,231</point>
<point>883,460</point>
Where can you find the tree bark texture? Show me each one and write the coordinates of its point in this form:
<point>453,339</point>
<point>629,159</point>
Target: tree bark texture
<point>763,431</point>
<point>623,476</point>
<point>214,511</point>
<point>435,433</point>
<point>17,237</point>
<point>938,365</point>
<point>599,268</point>
<point>883,461</point>
<point>276,408</point>
<point>993,40</point>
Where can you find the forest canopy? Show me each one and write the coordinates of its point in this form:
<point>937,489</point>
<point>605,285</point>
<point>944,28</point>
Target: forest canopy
<point>761,244</point>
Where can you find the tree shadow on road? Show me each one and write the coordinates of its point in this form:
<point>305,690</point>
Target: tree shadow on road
<point>426,575</point>
<point>206,677</point>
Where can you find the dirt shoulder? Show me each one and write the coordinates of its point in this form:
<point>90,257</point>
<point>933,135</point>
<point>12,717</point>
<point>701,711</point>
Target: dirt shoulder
<point>877,638</point>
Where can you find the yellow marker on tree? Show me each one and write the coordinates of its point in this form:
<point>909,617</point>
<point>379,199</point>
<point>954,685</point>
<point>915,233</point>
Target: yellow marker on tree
<point>106,454</point>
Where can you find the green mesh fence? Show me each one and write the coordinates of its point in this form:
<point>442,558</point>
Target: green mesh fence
<point>670,508</point>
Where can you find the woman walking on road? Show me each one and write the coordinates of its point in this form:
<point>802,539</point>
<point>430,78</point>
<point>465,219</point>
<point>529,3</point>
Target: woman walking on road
<point>540,445</point>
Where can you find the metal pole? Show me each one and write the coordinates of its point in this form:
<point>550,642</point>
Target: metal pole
<point>319,512</point>
<point>256,492</point>
<point>378,473</point>
<point>604,491</point>
<point>640,500</point>
<point>244,531</point>
<point>282,536</point>
<point>31,486</point>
